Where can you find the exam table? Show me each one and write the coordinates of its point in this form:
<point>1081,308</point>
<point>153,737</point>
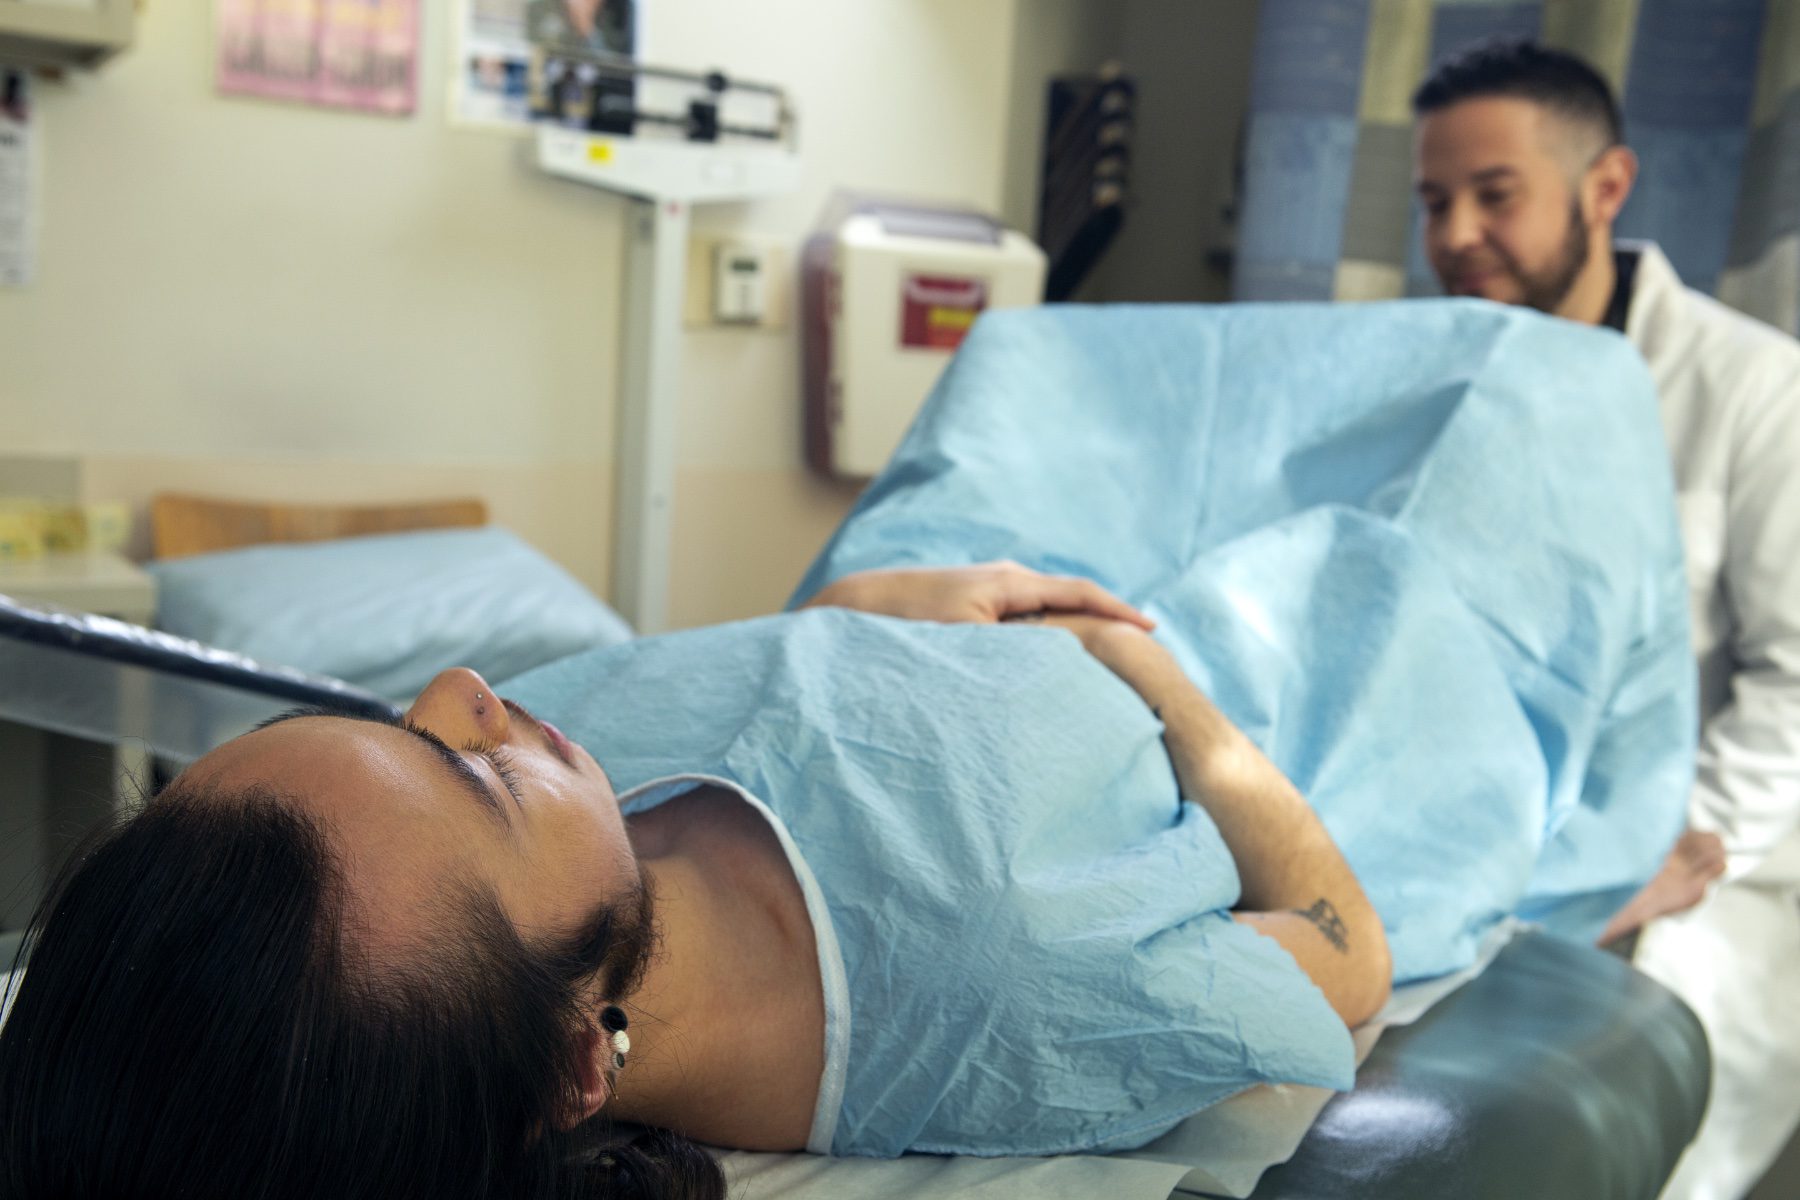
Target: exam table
<point>1556,1072</point>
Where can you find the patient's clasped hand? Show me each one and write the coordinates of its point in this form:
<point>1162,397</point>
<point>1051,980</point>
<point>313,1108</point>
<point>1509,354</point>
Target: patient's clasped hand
<point>902,870</point>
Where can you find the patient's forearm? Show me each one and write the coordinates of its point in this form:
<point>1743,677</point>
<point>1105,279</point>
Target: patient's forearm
<point>1297,888</point>
<point>983,592</point>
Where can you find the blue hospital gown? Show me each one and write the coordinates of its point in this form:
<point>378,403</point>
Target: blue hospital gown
<point>1022,929</point>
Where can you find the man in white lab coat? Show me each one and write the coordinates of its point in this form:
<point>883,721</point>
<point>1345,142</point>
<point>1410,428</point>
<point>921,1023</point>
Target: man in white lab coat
<point>1520,165</point>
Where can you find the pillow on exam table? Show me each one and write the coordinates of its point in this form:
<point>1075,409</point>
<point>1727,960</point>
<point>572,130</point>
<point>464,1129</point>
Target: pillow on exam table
<point>390,611</point>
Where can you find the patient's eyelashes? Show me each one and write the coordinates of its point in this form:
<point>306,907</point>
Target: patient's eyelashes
<point>501,761</point>
<point>502,764</point>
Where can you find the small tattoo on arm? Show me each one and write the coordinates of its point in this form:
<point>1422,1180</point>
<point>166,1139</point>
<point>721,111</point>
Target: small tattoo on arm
<point>1325,917</point>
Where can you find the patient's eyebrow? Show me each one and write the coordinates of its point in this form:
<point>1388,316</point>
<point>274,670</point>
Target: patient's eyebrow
<point>466,777</point>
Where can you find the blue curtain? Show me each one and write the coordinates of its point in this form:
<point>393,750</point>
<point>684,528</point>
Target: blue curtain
<point>1711,95</point>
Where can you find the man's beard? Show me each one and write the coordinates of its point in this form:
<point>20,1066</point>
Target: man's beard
<point>1546,290</point>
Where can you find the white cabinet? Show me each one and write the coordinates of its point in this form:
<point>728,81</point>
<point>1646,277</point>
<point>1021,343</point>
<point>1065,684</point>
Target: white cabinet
<point>63,33</point>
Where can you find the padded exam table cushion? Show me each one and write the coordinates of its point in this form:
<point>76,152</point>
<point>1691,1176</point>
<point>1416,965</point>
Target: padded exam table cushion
<point>1559,1072</point>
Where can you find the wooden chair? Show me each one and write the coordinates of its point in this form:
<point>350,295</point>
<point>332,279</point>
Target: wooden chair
<point>182,525</point>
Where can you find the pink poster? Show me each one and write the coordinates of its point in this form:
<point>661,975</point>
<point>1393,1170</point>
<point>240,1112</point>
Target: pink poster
<point>360,54</point>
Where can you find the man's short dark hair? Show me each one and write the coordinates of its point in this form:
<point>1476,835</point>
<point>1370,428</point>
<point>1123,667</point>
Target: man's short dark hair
<point>1559,81</point>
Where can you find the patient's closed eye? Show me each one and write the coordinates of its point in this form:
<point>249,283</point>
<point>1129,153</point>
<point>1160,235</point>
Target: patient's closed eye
<point>502,762</point>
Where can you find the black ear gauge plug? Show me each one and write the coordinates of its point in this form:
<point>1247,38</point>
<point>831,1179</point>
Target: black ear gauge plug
<point>614,1021</point>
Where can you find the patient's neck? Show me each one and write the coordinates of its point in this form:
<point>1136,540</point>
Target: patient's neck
<point>728,1031</point>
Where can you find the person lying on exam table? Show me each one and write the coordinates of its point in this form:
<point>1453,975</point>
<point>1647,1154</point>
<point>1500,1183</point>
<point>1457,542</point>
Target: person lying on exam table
<point>973,858</point>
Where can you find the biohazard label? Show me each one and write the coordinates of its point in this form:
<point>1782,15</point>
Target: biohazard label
<point>937,310</point>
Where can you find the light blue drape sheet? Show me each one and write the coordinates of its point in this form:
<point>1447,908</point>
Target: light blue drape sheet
<point>1423,552</point>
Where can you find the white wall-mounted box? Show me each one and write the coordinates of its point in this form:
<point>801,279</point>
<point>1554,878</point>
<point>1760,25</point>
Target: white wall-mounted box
<point>64,33</point>
<point>890,289</point>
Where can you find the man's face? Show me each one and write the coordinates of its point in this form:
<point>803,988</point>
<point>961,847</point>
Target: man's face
<point>1503,213</point>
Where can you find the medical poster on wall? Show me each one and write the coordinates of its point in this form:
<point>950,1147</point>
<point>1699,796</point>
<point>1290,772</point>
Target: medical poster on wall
<point>491,75</point>
<point>356,54</point>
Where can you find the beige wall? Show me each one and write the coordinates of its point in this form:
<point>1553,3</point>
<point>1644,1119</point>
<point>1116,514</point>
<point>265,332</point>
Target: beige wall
<point>895,96</point>
<point>273,301</point>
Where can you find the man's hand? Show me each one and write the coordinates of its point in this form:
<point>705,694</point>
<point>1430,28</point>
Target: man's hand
<point>1679,884</point>
<point>983,594</point>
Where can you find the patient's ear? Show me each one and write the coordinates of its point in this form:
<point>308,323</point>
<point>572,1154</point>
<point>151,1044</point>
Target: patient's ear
<point>591,1049</point>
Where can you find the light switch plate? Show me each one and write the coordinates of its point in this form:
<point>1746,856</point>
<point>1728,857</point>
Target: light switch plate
<point>698,305</point>
<point>740,283</point>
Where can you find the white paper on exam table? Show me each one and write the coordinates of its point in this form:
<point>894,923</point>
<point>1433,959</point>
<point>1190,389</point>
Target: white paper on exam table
<point>1219,1151</point>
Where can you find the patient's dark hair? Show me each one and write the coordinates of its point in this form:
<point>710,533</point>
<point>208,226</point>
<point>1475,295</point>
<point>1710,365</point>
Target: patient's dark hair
<point>1557,80</point>
<point>195,1021</point>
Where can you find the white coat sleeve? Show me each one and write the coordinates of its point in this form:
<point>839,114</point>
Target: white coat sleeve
<point>1748,782</point>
